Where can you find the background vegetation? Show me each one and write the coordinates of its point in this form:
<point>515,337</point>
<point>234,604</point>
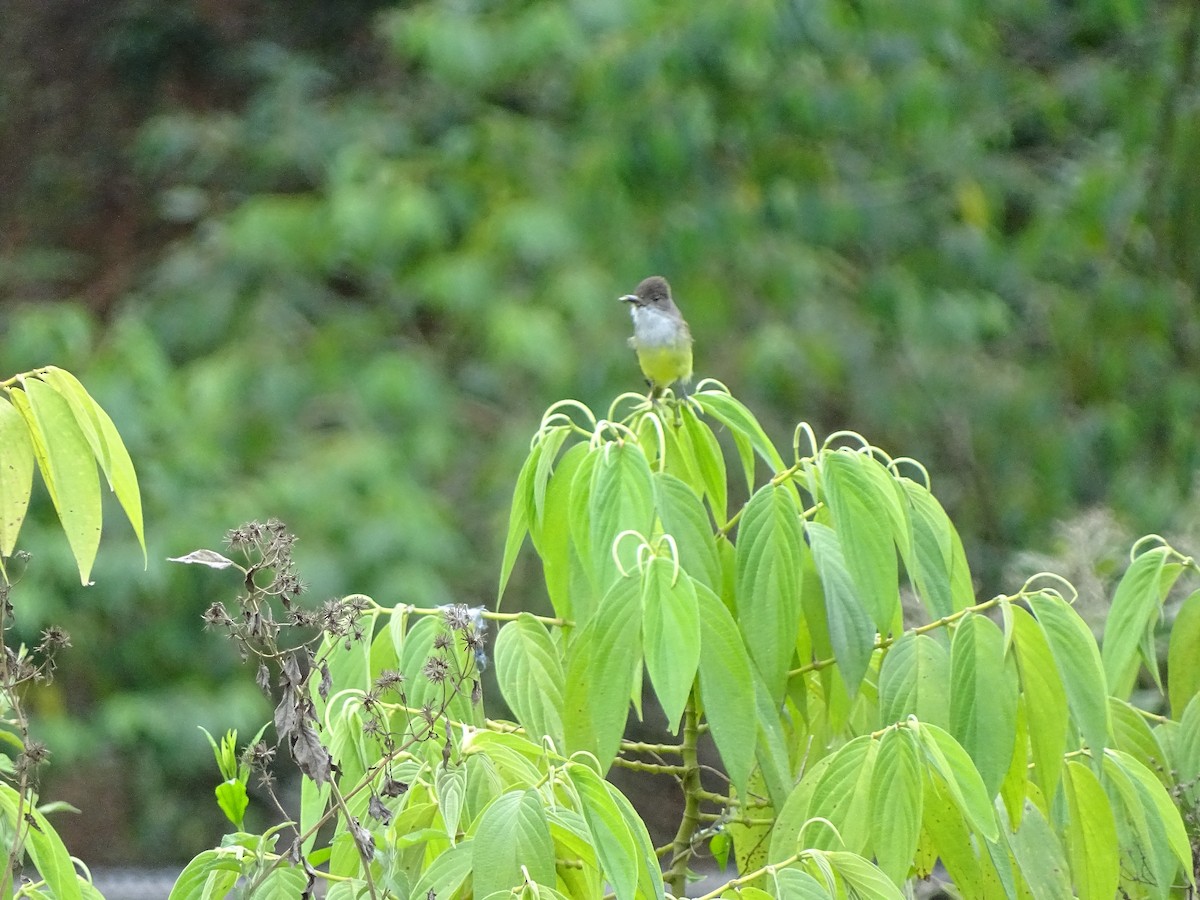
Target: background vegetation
<point>329,262</point>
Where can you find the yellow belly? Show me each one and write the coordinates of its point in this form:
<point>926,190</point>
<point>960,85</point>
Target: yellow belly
<point>663,366</point>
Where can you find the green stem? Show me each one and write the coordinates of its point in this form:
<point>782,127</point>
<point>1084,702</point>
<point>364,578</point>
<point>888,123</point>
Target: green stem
<point>689,822</point>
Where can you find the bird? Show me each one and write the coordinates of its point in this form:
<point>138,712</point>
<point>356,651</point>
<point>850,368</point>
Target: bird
<point>661,337</point>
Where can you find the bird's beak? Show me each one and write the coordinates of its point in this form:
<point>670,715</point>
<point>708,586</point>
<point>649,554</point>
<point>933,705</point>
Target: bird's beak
<point>629,298</point>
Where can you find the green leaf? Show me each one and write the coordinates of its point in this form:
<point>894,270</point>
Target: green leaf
<point>843,796</point>
<point>983,698</point>
<point>106,445</point>
<point>738,419</point>
<point>1136,608</point>
<point>1046,700</point>
<point>768,582</point>
<point>68,468</point>
<point>212,873</point>
<point>851,630</point>
<point>518,518</point>
<point>1162,813</point>
<point>450,784</point>
<point>683,517</point>
<point>552,539</point>
<point>914,680</point>
<point>1131,734</point>
<point>233,800</point>
<point>940,572</point>
<point>896,802</point>
<point>512,839</point>
<point>710,462</point>
<point>862,516</point>
<point>447,873</point>
<point>726,688</point>
<point>1187,752</point>
<point>16,475</point>
<point>530,676</point>
<point>670,635</point>
<point>1078,662</point>
<point>793,884</point>
<point>1040,857</point>
<point>621,499</point>
<point>650,883</point>
<point>963,781</point>
<point>45,848</point>
<point>600,673</point>
<point>1183,662</point>
<point>863,879</point>
<point>616,847</point>
<point>1091,835</point>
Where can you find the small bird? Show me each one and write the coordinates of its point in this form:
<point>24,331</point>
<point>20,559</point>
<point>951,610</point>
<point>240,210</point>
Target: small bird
<point>660,335</point>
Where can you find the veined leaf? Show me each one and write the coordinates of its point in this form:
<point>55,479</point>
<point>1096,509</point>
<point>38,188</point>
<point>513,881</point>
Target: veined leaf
<point>940,572</point>
<point>518,518</point>
<point>531,677</point>
<point>616,847</point>
<point>1046,700</point>
<point>670,635</point>
<point>45,847</point>
<point>1078,662</point>
<point>68,468</point>
<point>768,582</point>
<point>1162,815</point>
<point>983,698</point>
<point>600,673</point>
<point>710,462</point>
<point>106,445</point>
<point>963,781</point>
<point>896,797</point>
<point>737,418</point>
<point>1136,607</point>
<point>726,688</point>
<point>1040,856</point>
<point>512,840</point>
<point>1091,835</point>
<point>1183,662</point>
<point>1130,734</point>
<point>16,475</point>
<point>621,499</point>
<point>864,879</point>
<point>862,518</point>
<point>843,796</point>
<point>553,539</point>
<point>851,630</point>
<point>684,518</point>
<point>915,680</point>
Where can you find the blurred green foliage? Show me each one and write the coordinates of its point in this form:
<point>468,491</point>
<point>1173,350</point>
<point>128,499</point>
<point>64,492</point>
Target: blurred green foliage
<point>364,246</point>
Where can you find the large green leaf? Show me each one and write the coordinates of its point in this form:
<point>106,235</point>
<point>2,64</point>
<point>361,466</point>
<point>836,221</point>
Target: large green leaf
<point>1046,705</point>
<point>530,676</point>
<point>863,879</point>
<point>1040,856</point>
<point>683,517</point>
<point>616,848</point>
<point>1091,835</point>
<point>512,842</point>
<point>106,444</point>
<point>1078,662</point>
<point>914,680</point>
<point>983,698</point>
<point>726,688</point>
<point>710,463</point>
<point>45,848</point>
<point>843,797</point>
<point>16,475</point>
<point>621,499</point>
<point>863,520</point>
<point>735,416</point>
<point>940,572</point>
<point>962,780</point>
<point>896,801</point>
<point>768,582</point>
<point>851,632</point>
<point>1136,608</point>
<point>1183,662</point>
<point>552,539</point>
<point>600,673</point>
<point>670,634</point>
<point>68,467</point>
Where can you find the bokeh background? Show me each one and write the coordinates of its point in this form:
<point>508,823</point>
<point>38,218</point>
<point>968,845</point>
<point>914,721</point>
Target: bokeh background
<point>330,261</point>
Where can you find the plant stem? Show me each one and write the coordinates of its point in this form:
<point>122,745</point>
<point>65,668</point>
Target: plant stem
<point>689,822</point>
